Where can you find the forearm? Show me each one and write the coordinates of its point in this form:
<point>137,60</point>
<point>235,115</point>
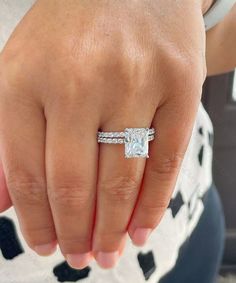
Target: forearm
<point>221,43</point>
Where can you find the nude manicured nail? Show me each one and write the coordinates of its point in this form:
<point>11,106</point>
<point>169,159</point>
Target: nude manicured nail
<point>140,236</point>
<point>107,260</point>
<point>46,249</point>
<point>79,261</point>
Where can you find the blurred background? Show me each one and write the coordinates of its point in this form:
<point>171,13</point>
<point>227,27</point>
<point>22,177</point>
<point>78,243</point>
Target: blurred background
<point>219,99</point>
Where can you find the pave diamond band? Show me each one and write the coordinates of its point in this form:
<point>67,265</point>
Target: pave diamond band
<point>121,134</point>
<point>119,140</point>
<point>135,139</point>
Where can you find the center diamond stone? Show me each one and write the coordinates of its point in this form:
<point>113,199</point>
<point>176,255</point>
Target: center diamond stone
<point>136,142</point>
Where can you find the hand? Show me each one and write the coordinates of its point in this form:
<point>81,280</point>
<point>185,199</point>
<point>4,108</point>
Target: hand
<point>72,68</point>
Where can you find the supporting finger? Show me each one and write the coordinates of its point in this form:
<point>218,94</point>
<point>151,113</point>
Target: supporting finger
<point>71,162</point>
<point>22,143</point>
<point>174,122</point>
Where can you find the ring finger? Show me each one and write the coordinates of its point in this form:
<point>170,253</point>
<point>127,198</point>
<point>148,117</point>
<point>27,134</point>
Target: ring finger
<point>119,180</point>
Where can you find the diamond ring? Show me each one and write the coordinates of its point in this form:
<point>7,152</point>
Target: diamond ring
<point>136,140</point>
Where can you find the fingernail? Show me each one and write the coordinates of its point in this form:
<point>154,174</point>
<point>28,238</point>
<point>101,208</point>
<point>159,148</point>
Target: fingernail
<point>79,261</point>
<point>46,249</point>
<point>107,260</point>
<point>140,236</point>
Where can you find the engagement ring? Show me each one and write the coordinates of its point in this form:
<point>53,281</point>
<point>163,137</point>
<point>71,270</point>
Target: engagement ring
<point>136,140</point>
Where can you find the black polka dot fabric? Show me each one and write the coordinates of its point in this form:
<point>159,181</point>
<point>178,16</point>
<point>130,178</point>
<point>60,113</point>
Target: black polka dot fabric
<point>175,204</point>
<point>147,264</point>
<point>10,245</point>
<point>65,273</point>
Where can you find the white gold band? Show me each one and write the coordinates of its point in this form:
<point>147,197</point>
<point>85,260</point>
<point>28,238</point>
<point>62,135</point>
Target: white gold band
<point>119,140</point>
<point>119,134</point>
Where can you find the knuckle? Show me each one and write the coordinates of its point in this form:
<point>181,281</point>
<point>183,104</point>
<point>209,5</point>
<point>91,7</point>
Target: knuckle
<point>185,72</point>
<point>15,81</point>
<point>45,230</point>
<point>16,66</point>
<point>154,208</point>
<point>153,211</point>
<point>121,188</point>
<point>27,190</point>
<point>12,62</point>
<point>109,238</point>
<point>166,166</point>
<point>69,243</point>
<point>36,234</point>
<point>72,239</point>
<point>70,194</point>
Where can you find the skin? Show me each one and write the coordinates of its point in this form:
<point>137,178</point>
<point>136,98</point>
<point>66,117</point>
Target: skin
<point>72,68</point>
<point>221,43</point>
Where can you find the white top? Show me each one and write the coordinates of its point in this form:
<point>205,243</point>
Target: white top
<point>217,12</point>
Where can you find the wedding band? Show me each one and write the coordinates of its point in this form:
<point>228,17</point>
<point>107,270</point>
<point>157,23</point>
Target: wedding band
<point>136,140</point>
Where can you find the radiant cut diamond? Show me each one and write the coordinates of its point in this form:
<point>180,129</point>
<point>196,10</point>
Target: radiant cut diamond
<point>136,142</point>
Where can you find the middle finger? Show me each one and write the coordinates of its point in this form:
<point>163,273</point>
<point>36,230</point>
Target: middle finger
<point>71,166</point>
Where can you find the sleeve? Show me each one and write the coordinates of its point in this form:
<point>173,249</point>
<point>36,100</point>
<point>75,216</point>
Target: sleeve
<point>217,12</point>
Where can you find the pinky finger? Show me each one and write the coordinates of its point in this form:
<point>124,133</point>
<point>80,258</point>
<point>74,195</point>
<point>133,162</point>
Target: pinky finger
<point>162,168</point>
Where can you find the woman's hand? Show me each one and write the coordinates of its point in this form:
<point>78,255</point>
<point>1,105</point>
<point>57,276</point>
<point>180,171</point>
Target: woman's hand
<point>72,68</point>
